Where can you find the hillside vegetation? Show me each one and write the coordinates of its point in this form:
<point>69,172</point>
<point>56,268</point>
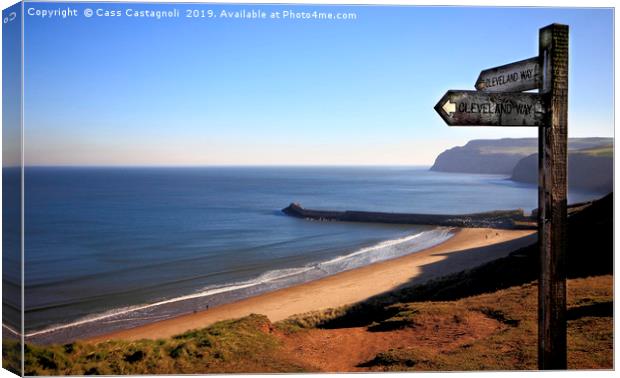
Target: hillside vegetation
<point>494,331</point>
<point>603,150</point>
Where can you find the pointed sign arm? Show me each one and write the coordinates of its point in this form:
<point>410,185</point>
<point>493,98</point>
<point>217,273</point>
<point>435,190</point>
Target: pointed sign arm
<point>523,75</point>
<point>475,108</point>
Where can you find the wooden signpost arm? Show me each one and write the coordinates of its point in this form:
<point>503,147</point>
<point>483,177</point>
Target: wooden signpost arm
<point>552,155</point>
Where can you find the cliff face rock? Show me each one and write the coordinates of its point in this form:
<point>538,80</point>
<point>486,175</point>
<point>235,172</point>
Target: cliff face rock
<point>460,159</point>
<point>485,156</point>
<point>588,172</point>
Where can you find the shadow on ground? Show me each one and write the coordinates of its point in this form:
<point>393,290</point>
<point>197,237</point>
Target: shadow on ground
<point>590,253</point>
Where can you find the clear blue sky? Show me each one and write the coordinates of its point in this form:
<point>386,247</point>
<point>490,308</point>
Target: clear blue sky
<point>126,91</point>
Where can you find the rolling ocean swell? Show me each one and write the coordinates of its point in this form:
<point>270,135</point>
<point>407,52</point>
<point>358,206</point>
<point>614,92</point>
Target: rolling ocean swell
<point>131,316</point>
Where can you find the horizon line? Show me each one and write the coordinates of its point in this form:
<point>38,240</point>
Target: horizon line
<point>220,166</point>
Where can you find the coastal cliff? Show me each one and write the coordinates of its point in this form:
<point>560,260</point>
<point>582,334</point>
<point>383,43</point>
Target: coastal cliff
<point>485,156</point>
<point>585,171</point>
<point>590,161</point>
<point>500,156</point>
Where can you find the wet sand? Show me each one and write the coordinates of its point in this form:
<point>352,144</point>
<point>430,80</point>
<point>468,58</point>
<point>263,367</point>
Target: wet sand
<point>466,249</point>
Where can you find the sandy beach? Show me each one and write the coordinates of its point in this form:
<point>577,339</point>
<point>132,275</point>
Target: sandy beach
<point>466,249</point>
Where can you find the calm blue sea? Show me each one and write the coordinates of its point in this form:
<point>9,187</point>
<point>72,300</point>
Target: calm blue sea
<point>110,248</point>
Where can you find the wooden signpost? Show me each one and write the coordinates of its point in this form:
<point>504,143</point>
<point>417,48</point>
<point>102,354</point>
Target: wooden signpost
<point>499,101</point>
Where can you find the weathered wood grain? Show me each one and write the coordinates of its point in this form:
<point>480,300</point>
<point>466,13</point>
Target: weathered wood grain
<point>519,76</point>
<point>475,108</point>
<point>553,55</point>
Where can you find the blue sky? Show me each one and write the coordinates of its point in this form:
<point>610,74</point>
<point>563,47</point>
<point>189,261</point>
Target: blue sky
<point>126,91</point>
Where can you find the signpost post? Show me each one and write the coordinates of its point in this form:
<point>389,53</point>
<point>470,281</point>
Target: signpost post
<point>552,203</point>
<point>499,101</point>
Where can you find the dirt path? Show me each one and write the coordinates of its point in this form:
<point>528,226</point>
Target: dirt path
<point>345,349</point>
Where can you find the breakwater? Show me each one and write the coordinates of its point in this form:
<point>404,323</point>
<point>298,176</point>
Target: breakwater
<point>504,219</point>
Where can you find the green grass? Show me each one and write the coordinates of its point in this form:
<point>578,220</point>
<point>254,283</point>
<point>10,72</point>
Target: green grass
<point>601,151</point>
<point>11,355</point>
<point>606,150</point>
<point>524,151</point>
<point>237,346</point>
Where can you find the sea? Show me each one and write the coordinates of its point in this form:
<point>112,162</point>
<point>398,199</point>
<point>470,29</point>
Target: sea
<point>112,248</point>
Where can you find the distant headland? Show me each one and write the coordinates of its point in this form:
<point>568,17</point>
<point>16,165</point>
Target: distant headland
<point>590,160</point>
